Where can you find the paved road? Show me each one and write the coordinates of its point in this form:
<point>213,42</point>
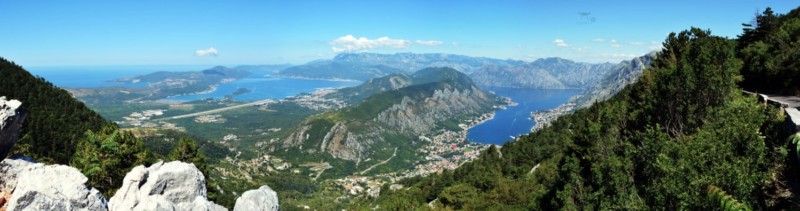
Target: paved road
<point>786,101</point>
<point>790,101</point>
<point>217,110</point>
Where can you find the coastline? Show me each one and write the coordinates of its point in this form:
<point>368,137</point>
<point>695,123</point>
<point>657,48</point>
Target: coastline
<point>309,78</point>
<point>486,117</point>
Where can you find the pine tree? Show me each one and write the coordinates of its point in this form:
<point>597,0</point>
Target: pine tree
<point>107,155</point>
<point>187,151</point>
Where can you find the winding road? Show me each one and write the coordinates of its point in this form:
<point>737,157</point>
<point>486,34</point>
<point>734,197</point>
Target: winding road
<point>381,163</point>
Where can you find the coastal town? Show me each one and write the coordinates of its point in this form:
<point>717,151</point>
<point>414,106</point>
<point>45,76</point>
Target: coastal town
<point>544,118</point>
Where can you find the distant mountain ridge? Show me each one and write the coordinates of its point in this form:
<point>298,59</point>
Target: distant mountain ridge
<point>411,62</point>
<point>549,73</point>
<point>622,75</point>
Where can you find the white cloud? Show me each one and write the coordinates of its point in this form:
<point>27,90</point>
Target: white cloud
<point>615,45</point>
<point>428,42</point>
<point>351,43</point>
<point>560,43</point>
<point>613,41</point>
<point>207,52</point>
<point>455,44</point>
<point>636,43</point>
<point>598,40</point>
<point>580,50</point>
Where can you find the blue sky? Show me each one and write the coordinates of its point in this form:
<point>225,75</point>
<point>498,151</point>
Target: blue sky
<point>54,33</point>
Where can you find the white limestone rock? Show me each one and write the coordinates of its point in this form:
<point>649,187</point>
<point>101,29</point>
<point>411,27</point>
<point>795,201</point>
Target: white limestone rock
<point>263,198</point>
<point>35,186</point>
<point>7,109</point>
<point>163,186</point>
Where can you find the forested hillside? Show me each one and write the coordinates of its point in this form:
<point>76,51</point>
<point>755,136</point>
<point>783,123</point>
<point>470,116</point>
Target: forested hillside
<point>683,137</point>
<point>56,121</point>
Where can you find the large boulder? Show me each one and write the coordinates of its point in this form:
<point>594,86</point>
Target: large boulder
<point>11,119</point>
<point>260,199</point>
<point>163,186</point>
<point>25,185</point>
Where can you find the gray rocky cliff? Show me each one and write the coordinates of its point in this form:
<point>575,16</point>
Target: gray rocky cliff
<point>419,117</point>
<point>163,186</point>
<point>25,185</point>
<point>353,139</point>
<point>262,199</point>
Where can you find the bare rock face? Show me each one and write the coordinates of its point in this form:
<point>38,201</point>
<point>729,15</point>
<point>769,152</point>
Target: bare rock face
<point>263,198</point>
<point>25,185</point>
<point>163,186</point>
<point>11,119</point>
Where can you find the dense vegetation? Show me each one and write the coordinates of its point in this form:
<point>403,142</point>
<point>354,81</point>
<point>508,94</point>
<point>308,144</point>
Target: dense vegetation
<point>107,155</point>
<point>56,121</point>
<point>770,47</point>
<point>661,142</point>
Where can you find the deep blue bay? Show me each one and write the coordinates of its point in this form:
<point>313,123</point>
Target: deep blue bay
<point>515,120</point>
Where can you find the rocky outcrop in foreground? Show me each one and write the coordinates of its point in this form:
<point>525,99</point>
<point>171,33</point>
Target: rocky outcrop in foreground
<point>11,119</point>
<point>261,199</point>
<point>25,185</point>
<point>163,186</point>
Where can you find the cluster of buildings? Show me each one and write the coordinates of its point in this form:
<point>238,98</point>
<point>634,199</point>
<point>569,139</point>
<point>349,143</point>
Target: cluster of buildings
<point>361,185</point>
<point>445,151</point>
<point>318,100</point>
<point>136,119</point>
<point>211,118</point>
<point>544,118</point>
<point>478,120</point>
<point>174,82</point>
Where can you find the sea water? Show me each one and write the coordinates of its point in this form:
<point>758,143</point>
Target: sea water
<point>263,87</point>
<point>102,76</point>
<point>515,120</point>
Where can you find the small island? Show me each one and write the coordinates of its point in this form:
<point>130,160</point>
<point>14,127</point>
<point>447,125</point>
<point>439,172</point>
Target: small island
<point>241,91</point>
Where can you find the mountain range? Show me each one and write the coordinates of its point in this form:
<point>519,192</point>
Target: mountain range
<point>620,76</point>
<point>548,73</point>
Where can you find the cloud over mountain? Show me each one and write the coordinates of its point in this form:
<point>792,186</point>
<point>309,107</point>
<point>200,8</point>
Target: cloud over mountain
<point>350,43</point>
<point>207,52</point>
